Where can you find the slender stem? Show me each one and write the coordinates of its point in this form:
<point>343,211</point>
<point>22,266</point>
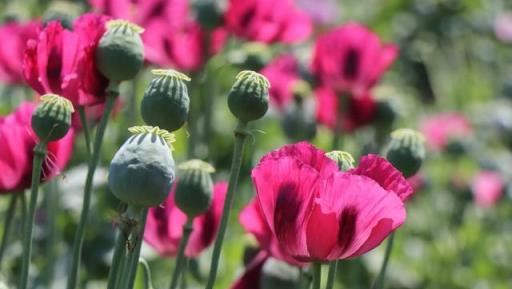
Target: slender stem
<point>119,250</point>
<point>85,128</point>
<point>93,163</point>
<point>180,258</point>
<point>379,283</point>
<point>51,208</point>
<point>133,256</point>
<point>317,275</point>
<point>9,215</point>
<point>148,284</point>
<point>333,266</point>
<point>39,155</point>
<point>240,136</point>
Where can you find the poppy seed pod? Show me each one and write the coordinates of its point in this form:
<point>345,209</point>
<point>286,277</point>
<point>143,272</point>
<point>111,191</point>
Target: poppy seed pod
<point>166,102</point>
<point>120,52</point>
<point>279,275</point>
<point>298,123</point>
<point>343,160</point>
<point>142,170</point>
<point>51,119</point>
<point>248,98</point>
<point>208,13</point>
<point>194,188</point>
<point>406,151</point>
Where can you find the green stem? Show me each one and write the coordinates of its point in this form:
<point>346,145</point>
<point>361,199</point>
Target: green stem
<point>317,275</point>
<point>180,258</point>
<point>240,136</point>
<point>85,128</point>
<point>147,274</point>
<point>379,283</point>
<point>333,266</point>
<point>133,256</point>
<point>39,155</point>
<point>93,163</point>
<point>7,225</point>
<point>119,251</point>
<point>51,207</point>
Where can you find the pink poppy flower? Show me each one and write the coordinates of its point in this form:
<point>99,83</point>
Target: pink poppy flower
<point>322,12</point>
<point>320,214</point>
<point>123,9</point>
<point>351,59</point>
<point>17,142</point>
<point>267,21</point>
<point>487,188</point>
<point>440,129</point>
<point>282,72</point>
<point>14,37</point>
<point>503,27</point>
<point>359,111</point>
<point>164,227</point>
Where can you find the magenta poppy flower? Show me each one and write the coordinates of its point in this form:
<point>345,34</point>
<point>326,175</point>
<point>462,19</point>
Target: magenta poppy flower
<point>17,142</point>
<point>440,129</point>
<point>487,188</point>
<point>282,72</point>
<point>359,111</point>
<point>267,21</point>
<point>164,227</point>
<point>351,59</point>
<point>14,37</point>
<point>123,9</point>
<point>503,26</point>
<point>320,214</point>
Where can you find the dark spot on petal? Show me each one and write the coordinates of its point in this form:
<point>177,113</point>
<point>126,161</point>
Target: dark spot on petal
<point>246,18</point>
<point>347,226</point>
<point>209,228</point>
<point>351,64</point>
<point>161,221</point>
<point>286,211</point>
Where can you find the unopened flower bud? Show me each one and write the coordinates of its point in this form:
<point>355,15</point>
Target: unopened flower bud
<point>279,275</point>
<point>299,122</point>
<point>166,102</point>
<point>344,160</point>
<point>120,52</point>
<point>142,171</point>
<point>51,119</point>
<point>195,187</point>
<point>406,151</point>
<point>208,13</point>
<point>248,98</point>
<point>385,113</point>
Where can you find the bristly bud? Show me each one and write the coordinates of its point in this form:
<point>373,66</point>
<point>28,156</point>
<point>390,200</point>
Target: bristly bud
<point>248,98</point>
<point>166,102</point>
<point>194,188</point>
<point>142,170</point>
<point>406,151</point>
<point>51,119</point>
<point>120,52</point>
<point>344,160</point>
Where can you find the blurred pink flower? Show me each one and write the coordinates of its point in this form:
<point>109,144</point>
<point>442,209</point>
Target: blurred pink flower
<point>164,227</point>
<point>503,26</point>
<point>487,188</point>
<point>323,12</point>
<point>417,181</point>
<point>17,142</point>
<point>282,73</point>
<point>440,129</point>
<point>351,59</point>
<point>123,9</point>
<point>268,21</point>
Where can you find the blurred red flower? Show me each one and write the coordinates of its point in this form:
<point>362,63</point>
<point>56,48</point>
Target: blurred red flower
<point>282,72</point>
<point>442,128</point>
<point>17,142</point>
<point>164,227</point>
<point>487,188</point>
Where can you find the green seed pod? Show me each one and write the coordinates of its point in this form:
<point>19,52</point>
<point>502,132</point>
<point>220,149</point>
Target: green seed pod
<point>142,170</point>
<point>406,151</point>
<point>51,119</point>
<point>344,160</point>
<point>279,275</point>
<point>299,122</point>
<point>120,52</point>
<point>248,98</point>
<point>195,187</point>
<point>166,102</point>
<point>208,13</point>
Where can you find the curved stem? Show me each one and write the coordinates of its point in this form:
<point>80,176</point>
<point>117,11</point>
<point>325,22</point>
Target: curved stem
<point>9,215</point>
<point>93,163</point>
<point>148,284</point>
<point>180,258</point>
<point>133,256</point>
<point>240,136</point>
<point>85,128</point>
<point>333,266</point>
<point>379,283</point>
<point>317,275</point>
<point>39,155</point>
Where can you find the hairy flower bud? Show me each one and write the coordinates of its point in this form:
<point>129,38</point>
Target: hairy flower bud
<point>406,151</point>
<point>194,189</point>
<point>142,170</point>
<point>248,98</point>
<point>120,52</point>
<point>344,160</point>
<point>51,119</point>
<point>166,102</point>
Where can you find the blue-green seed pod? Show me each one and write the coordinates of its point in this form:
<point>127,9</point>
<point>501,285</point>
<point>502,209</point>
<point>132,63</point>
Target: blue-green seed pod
<point>208,13</point>
<point>344,160</point>
<point>299,122</point>
<point>194,188</point>
<point>51,119</point>
<point>120,52</point>
<point>248,98</point>
<point>406,151</point>
<point>166,102</point>
<point>279,275</point>
<point>142,171</point>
